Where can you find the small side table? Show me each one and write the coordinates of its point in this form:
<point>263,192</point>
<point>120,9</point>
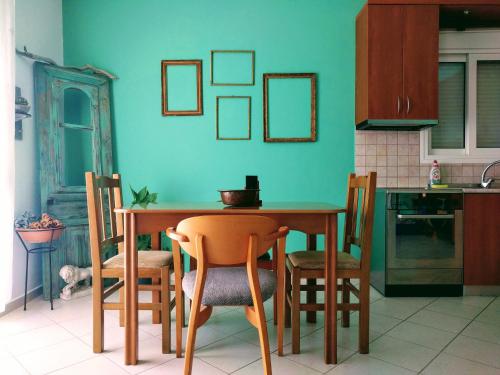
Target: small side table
<point>38,237</point>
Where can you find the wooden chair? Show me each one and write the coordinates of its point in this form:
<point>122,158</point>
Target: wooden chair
<point>310,265</point>
<point>221,245</point>
<point>103,196</point>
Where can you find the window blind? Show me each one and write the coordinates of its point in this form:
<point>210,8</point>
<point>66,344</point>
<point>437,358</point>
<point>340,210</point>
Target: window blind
<point>488,104</point>
<point>450,132</point>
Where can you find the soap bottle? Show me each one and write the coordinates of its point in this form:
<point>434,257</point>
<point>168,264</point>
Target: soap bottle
<point>435,174</point>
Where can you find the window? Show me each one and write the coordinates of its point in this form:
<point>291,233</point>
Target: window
<point>469,101</point>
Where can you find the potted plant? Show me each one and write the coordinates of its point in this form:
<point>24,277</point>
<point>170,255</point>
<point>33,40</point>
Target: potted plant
<point>36,229</point>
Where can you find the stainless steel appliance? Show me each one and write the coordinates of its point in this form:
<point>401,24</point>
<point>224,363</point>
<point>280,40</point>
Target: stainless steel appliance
<point>423,244</point>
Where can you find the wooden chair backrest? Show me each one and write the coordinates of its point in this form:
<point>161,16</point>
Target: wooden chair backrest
<point>226,237</point>
<point>105,227</point>
<point>359,220</point>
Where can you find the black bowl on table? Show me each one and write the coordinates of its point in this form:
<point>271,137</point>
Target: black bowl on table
<point>242,197</point>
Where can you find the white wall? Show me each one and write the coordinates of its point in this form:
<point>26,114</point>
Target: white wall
<point>39,28</point>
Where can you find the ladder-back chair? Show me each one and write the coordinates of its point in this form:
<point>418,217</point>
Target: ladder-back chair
<point>310,265</point>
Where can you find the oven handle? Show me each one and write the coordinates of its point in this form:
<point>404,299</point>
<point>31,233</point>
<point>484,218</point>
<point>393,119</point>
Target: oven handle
<point>450,216</point>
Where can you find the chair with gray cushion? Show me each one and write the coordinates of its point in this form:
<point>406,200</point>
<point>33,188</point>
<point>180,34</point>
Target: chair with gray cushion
<point>221,245</point>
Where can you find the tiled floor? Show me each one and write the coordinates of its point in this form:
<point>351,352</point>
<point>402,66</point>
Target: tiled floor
<point>408,335</point>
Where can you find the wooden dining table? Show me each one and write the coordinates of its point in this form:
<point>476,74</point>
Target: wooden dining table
<point>308,217</point>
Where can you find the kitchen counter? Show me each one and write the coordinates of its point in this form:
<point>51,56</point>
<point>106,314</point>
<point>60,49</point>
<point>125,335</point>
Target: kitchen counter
<point>452,188</point>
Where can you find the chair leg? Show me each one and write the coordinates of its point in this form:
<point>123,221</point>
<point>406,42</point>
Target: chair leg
<point>97,316</point>
<point>121,313</point>
<point>165,310</point>
<point>263,338</point>
<point>191,336</point>
<point>364,315</point>
<point>346,294</point>
<point>288,289</point>
<point>156,298</point>
<point>295,310</point>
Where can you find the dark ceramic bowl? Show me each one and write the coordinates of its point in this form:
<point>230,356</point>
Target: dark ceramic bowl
<point>244,197</point>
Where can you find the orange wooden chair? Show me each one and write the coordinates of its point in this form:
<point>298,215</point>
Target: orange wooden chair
<point>106,231</point>
<point>310,265</point>
<point>221,245</point>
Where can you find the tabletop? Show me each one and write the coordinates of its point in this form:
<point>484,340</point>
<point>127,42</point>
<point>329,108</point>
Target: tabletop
<point>218,208</point>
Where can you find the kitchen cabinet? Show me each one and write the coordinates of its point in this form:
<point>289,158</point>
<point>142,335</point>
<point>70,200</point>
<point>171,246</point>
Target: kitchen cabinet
<point>482,239</point>
<point>397,61</point>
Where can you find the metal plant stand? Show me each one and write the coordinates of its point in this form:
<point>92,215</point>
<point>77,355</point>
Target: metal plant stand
<point>39,250</point>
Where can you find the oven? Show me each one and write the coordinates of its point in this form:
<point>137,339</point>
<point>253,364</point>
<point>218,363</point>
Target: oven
<point>424,243</point>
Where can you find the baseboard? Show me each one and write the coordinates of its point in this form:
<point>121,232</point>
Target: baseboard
<point>481,290</point>
<point>19,301</point>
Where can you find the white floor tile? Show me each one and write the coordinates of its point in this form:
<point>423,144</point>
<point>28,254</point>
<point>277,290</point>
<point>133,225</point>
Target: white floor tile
<point>348,337</point>
<point>455,308</point>
<point>204,336</point>
<point>36,338</point>
<point>437,320</point>
<point>361,364</point>
<point>229,354</point>
<point>422,335</point>
<point>176,367</point>
<point>150,356</point>
<point>378,323</point>
<point>312,352</point>
<point>446,364</point>
<point>475,350</point>
<point>54,357</point>
<point>20,321</point>
<point>483,331</point>
<point>11,366</point>
<point>479,301</point>
<point>402,353</point>
<point>400,308</point>
<point>280,365</point>
<point>97,365</point>
<point>491,315</point>
<point>251,335</point>
<point>114,336</point>
<point>231,322</point>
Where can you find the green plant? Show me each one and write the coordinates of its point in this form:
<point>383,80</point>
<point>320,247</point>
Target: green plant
<point>143,197</point>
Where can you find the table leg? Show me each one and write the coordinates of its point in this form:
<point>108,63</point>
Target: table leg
<point>331,289</point>
<point>311,295</point>
<point>274,256</point>
<point>131,303</point>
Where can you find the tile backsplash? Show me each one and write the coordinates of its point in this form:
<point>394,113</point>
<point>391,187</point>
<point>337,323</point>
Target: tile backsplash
<point>395,156</point>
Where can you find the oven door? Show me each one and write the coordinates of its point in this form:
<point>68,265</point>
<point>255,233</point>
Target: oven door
<point>424,241</point>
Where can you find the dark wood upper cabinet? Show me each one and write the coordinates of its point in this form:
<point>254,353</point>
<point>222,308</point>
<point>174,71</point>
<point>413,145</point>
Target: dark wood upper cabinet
<point>481,239</point>
<point>397,62</point>
<point>421,61</point>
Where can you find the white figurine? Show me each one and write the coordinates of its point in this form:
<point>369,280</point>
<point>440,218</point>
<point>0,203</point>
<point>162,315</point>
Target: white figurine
<point>72,275</point>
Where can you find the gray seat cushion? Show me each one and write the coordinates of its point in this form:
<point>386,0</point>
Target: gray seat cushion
<point>228,286</point>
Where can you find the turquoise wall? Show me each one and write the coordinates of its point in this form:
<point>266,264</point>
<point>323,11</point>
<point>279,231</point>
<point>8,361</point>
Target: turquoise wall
<point>179,157</point>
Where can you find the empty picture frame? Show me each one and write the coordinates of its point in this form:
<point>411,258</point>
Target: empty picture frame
<point>232,68</point>
<point>181,88</point>
<point>290,107</point>
<point>233,117</point>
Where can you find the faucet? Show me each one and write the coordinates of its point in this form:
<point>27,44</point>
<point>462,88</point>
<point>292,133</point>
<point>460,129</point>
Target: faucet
<point>487,183</point>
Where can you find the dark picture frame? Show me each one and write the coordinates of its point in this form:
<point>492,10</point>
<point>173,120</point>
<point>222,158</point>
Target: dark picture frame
<point>267,77</point>
<point>165,94</point>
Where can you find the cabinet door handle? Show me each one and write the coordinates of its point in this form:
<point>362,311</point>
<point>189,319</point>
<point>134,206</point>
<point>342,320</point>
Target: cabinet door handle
<point>399,104</point>
<point>408,104</point>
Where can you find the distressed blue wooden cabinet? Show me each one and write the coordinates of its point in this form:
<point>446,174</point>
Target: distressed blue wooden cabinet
<point>72,115</point>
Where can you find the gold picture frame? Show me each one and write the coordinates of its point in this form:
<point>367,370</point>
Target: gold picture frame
<point>217,120</point>
<point>164,88</point>
<point>269,76</point>
<point>252,80</point>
